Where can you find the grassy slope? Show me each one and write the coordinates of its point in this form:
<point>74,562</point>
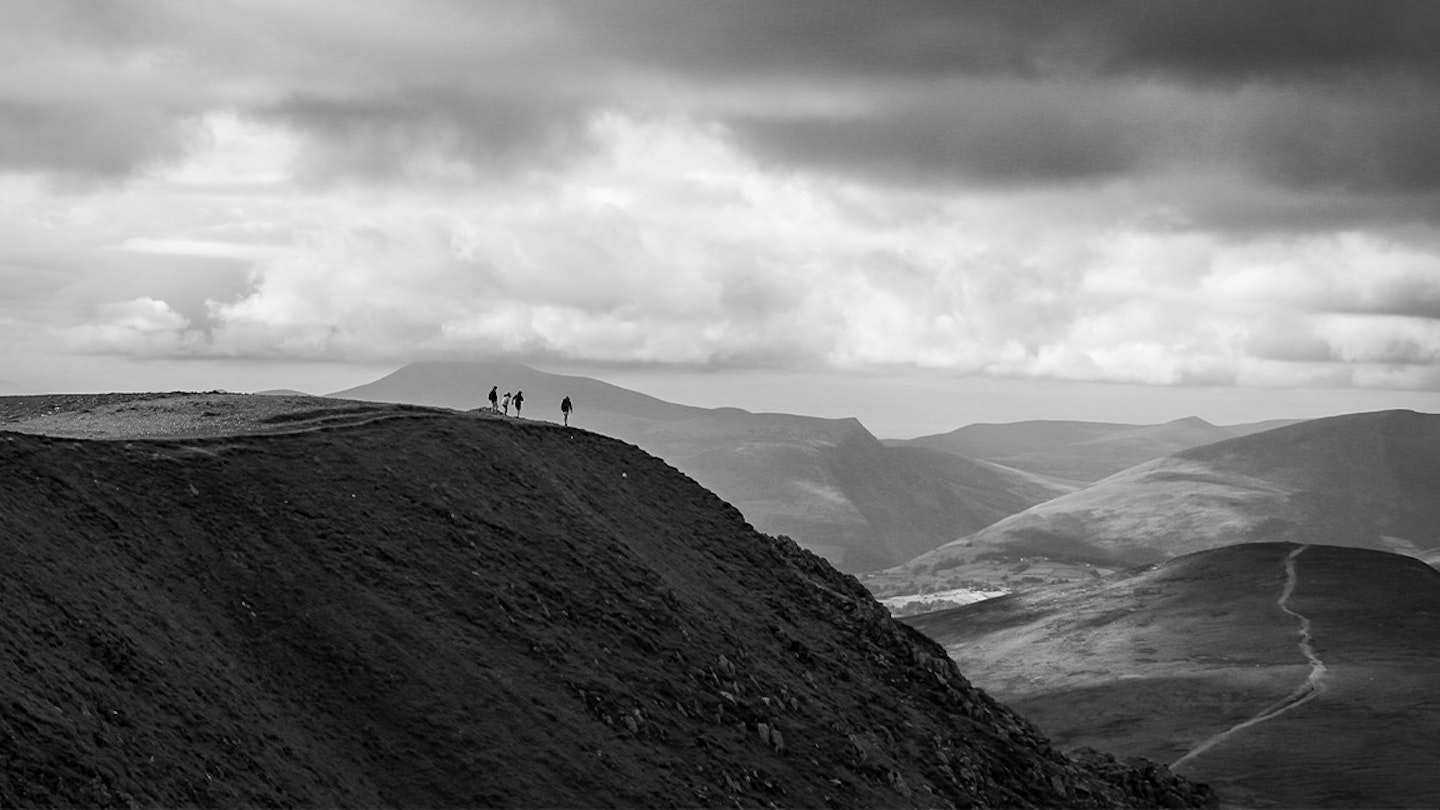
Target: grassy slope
<point>1153,661</point>
<point>443,610</point>
<point>1365,480</point>
<point>1075,451</point>
<point>833,486</point>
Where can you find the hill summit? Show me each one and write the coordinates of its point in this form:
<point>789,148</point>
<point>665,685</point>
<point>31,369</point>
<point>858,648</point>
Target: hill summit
<point>828,484</point>
<point>343,604</point>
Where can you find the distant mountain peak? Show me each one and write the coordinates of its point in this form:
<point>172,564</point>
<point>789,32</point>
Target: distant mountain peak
<point>1190,421</point>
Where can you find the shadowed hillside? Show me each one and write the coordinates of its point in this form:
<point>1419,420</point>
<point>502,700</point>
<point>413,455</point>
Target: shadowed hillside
<point>401,607</point>
<point>827,483</point>
<point>834,487</point>
<point>1285,675</point>
<point>1082,451</point>
<point>1367,480</point>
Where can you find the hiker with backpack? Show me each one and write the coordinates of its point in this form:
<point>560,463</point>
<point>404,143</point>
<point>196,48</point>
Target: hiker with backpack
<point>565,409</point>
<point>519,398</point>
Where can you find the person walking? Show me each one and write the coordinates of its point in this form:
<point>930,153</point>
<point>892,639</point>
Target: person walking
<point>519,398</point>
<point>494,407</point>
<point>565,409</point>
<point>506,406</point>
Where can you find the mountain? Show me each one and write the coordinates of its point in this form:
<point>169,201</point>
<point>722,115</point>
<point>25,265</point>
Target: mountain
<point>827,483</point>
<point>1285,675</point>
<point>332,605</point>
<point>1368,480</point>
<point>833,486</point>
<point>1082,451</point>
<point>599,406</point>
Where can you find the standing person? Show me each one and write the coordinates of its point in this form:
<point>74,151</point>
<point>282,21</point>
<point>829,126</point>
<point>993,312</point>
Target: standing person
<point>494,407</point>
<point>565,409</point>
<point>507,403</point>
<point>519,398</point>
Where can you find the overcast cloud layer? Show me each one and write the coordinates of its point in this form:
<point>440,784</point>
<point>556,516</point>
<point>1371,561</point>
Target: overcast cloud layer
<point>1198,193</point>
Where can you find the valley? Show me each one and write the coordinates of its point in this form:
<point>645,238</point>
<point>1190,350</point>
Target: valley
<point>1286,675</point>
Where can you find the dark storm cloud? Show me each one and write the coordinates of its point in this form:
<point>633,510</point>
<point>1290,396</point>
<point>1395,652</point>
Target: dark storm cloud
<point>1307,95</point>
<point>1301,93</point>
<point>378,134</point>
<point>841,40</point>
<point>1012,134</point>
<point>1194,39</point>
<point>1240,39</point>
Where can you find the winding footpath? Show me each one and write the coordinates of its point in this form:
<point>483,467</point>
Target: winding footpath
<point>1303,694</point>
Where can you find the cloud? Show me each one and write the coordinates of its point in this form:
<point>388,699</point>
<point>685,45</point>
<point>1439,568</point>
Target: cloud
<point>1305,95</point>
<point>1289,339</point>
<point>394,134</point>
<point>114,91</point>
<point>1186,193</point>
<point>981,132</point>
<point>668,245</point>
<point>140,327</point>
<point>1220,40</point>
<point>1313,95</point>
<point>1233,40</point>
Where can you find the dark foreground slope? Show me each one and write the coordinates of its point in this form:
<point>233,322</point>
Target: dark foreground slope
<point>433,609</point>
<point>1205,662</point>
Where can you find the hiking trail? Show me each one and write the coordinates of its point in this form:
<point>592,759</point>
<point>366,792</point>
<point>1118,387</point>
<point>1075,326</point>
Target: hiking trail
<point>1303,694</point>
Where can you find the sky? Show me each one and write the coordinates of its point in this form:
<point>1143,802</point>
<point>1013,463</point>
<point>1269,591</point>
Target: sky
<point>924,214</point>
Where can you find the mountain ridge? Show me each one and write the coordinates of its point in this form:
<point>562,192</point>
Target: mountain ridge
<point>426,608</point>
<point>1365,480</point>
<point>826,483</point>
<point>1083,452</point>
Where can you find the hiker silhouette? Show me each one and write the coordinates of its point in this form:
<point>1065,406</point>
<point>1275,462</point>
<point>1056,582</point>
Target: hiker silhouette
<point>506,406</point>
<point>565,409</point>
<point>519,398</point>
<point>493,406</point>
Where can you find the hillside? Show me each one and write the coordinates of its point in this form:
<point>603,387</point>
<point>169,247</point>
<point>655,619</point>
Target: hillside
<point>832,486</point>
<point>1201,661</point>
<point>826,483</point>
<point>302,602</point>
<point>1365,480</point>
<point>1082,452</point>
